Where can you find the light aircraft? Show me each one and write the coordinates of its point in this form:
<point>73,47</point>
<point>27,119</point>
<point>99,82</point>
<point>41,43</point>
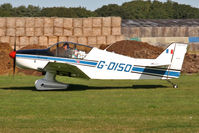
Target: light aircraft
<point>78,60</point>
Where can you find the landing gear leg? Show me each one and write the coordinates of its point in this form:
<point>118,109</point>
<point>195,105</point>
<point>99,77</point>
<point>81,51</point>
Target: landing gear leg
<point>174,85</point>
<point>49,83</point>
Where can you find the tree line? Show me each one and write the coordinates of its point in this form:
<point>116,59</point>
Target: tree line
<point>137,9</point>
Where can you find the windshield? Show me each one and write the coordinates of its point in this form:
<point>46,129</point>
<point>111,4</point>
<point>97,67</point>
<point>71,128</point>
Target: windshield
<point>69,50</point>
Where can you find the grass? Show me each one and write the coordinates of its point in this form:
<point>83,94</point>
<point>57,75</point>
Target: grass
<point>100,106</point>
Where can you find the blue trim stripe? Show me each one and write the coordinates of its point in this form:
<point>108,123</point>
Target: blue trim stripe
<point>90,63</point>
<point>155,71</point>
<point>193,39</point>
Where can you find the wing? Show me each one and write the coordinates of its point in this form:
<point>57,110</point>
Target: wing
<point>65,69</point>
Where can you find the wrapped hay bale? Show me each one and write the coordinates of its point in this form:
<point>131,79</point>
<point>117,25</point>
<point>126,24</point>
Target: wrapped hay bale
<point>145,31</point>
<point>135,32</point>
<point>193,31</point>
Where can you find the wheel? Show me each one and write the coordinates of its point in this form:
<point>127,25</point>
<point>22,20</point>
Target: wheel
<point>175,86</point>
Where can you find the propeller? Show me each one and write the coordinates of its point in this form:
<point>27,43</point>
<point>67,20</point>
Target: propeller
<point>13,55</point>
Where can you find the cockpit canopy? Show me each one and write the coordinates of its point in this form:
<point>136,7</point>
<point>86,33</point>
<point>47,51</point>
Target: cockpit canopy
<point>69,50</point>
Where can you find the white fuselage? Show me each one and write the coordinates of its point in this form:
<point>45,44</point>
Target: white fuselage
<point>100,64</point>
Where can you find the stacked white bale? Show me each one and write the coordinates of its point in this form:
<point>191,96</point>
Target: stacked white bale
<point>58,26</point>
<point>33,40</point>
<point>46,31</point>
<point>52,40</point>
<point>101,40</point>
<point>72,39</point>
<point>2,26</point>
<point>82,40</point>
<point>68,27</point>
<point>43,40</point>
<point>39,27</point>
<point>48,26</point>
<point>62,39</point>
<point>92,40</point>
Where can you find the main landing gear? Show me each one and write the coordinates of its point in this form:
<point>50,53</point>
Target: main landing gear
<point>174,85</point>
<point>49,83</point>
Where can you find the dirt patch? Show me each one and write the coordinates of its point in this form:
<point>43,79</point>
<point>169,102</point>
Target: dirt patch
<point>134,49</point>
<point>6,63</point>
<point>191,63</point>
<point>144,50</point>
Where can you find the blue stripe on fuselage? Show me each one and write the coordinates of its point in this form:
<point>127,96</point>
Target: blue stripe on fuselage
<point>83,62</point>
<point>156,71</point>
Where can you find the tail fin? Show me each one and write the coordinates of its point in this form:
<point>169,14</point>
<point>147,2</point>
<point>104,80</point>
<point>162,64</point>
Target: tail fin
<point>173,55</point>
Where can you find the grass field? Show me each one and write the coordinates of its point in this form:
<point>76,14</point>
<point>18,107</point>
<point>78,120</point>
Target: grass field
<point>100,106</point>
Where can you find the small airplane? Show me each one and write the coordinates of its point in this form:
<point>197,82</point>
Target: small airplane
<point>78,60</point>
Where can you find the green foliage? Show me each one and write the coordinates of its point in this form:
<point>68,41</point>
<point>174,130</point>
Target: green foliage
<point>66,12</point>
<point>137,9</point>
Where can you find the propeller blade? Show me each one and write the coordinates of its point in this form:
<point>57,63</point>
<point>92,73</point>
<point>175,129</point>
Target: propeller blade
<point>14,59</point>
<point>14,65</point>
<point>15,44</point>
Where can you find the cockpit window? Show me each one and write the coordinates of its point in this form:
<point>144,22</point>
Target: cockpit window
<point>70,50</point>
